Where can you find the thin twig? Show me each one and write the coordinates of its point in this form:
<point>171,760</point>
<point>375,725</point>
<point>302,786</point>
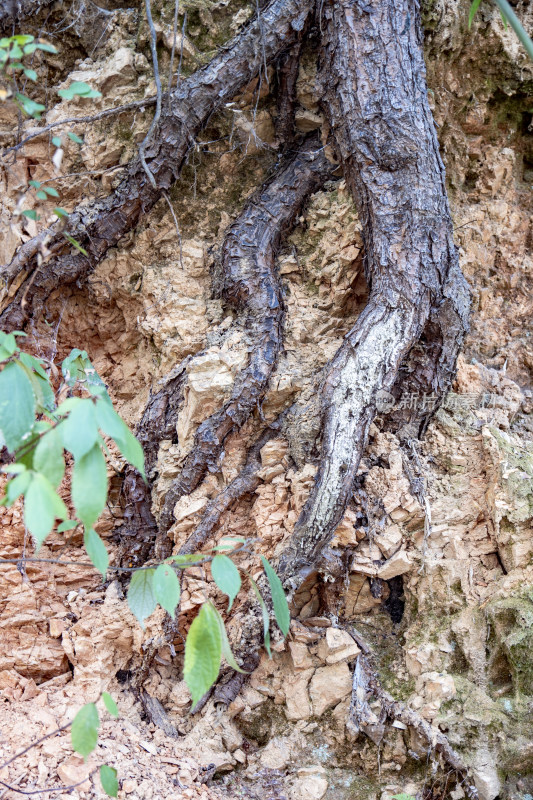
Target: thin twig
<point>150,101</point>
<point>157,78</point>
<point>49,791</point>
<point>174,217</point>
<point>173,51</point>
<point>34,744</point>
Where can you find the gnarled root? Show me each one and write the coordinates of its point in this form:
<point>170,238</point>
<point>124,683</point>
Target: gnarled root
<point>99,226</point>
<point>372,722</point>
<point>386,140</point>
<point>250,284</point>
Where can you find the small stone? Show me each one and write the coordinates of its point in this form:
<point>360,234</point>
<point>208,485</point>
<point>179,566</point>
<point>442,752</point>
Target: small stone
<point>398,564</point>
<point>56,627</point>
<point>329,686</point>
<point>301,657</point>
<point>311,784</point>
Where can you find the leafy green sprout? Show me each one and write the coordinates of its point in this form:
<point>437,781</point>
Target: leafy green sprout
<point>38,427</point>
<point>13,51</point>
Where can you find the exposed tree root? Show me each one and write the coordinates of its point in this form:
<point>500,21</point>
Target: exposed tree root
<point>375,96</point>
<point>361,717</point>
<point>158,422</point>
<point>249,282</point>
<point>246,482</point>
<point>101,224</point>
<point>288,67</point>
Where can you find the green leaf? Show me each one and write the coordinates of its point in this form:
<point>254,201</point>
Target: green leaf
<point>60,212</point>
<point>48,457</point>
<point>80,89</point>
<point>42,507</point>
<point>8,345</point>
<point>79,431</point>
<point>68,525</point>
<point>182,561</point>
<point>51,191</point>
<point>110,704</point>
<point>84,730</point>
<point>472,13</point>
<point>266,618</point>
<point>226,576</point>
<point>56,141</point>
<point>75,244</point>
<point>402,796</point>
<point>74,137</point>
<point>30,213</point>
<point>108,779</point>
<point>41,195</point>
<point>17,406</point>
<point>279,601</point>
<point>203,651</point>
<point>35,184</point>
<point>46,48</point>
<point>226,647</point>
<point>29,49</point>
<point>33,363</point>
<point>96,550</point>
<point>31,74</point>
<point>22,38</point>
<point>141,597</point>
<point>166,588</point>
<point>114,426</point>
<point>89,485</point>
<point>29,106</point>
<point>17,486</point>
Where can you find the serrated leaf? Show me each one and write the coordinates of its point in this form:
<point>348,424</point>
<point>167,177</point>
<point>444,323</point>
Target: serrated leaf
<point>89,485</point>
<point>141,597</point>
<point>110,704</point>
<point>114,426</point>
<point>84,730</point>
<point>48,457</point>
<point>472,13</point>
<point>166,588</point>
<point>226,647</point>
<point>79,432</point>
<point>109,781</point>
<point>266,617</point>
<point>226,576</point>
<point>279,601</point>
<point>203,651</point>
<point>68,525</point>
<point>42,506</point>
<point>17,405</point>
<point>96,550</point>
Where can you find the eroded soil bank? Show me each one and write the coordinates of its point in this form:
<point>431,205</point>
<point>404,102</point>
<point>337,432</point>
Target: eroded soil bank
<point>440,540</point>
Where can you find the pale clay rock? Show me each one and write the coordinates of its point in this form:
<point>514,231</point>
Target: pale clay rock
<point>329,686</point>
<point>311,784</point>
<point>398,564</point>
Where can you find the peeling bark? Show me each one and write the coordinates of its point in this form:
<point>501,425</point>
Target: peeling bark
<point>251,285</point>
<point>100,225</point>
<point>375,96</point>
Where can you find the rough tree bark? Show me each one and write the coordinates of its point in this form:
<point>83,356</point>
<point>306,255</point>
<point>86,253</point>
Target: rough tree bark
<point>100,225</point>
<point>249,282</point>
<point>373,79</point>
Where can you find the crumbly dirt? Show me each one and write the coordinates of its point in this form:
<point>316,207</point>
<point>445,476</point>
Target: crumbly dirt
<point>440,579</point>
